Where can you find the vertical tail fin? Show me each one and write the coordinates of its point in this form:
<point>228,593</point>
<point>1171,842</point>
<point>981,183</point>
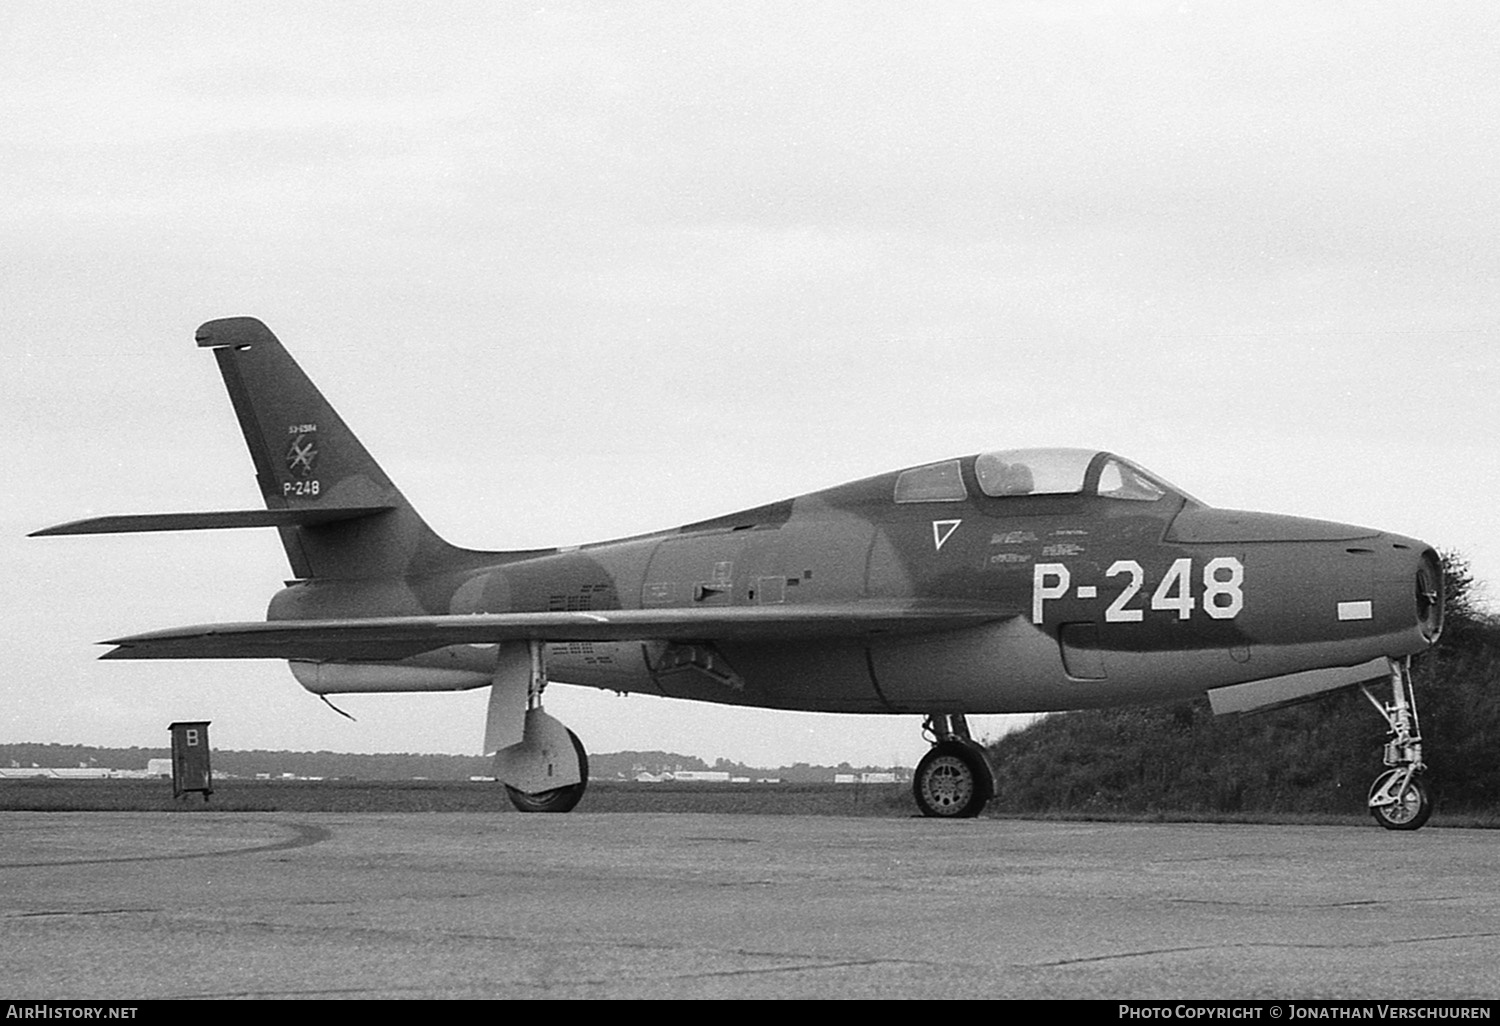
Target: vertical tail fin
<point>306,457</point>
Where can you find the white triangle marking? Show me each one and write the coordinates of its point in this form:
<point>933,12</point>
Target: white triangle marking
<point>942,530</point>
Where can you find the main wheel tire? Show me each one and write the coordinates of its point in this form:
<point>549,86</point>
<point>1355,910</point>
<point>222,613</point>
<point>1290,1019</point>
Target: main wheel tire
<point>1408,812</point>
<point>559,799</point>
<point>952,781</point>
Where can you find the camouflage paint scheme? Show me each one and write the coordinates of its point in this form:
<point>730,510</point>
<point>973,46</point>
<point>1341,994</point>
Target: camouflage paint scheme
<point>842,600</point>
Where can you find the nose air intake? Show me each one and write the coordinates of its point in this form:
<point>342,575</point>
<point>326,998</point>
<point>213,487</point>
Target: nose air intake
<point>1429,596</point>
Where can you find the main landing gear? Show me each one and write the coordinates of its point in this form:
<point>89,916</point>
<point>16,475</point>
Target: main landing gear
<point>953,780</point>
<point>558,799</point>
<point>541,762</point>
<point>1398,799</point>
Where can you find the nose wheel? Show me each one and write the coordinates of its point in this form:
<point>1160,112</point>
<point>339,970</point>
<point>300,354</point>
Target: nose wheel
<point>1398,798</point>
<point>1399,801</point>
<point>953,780</point>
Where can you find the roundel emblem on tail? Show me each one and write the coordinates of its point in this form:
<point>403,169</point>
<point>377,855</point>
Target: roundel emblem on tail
<point>300,457</point>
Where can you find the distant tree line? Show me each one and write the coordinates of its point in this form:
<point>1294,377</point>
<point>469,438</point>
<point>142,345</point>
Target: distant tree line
<point>395,766</point>
<point>1320,756</point>
<point>388,766</point>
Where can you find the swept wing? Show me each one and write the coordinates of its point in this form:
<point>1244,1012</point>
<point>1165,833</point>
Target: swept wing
<point>401,636</point>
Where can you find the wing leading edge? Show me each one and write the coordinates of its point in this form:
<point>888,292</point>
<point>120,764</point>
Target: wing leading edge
<point>399,637</point>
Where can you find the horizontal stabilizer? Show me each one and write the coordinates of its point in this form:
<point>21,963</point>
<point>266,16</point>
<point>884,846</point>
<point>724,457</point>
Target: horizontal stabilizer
<point>1274,692</point>
<point>304,517</point>
<point>399,637</point>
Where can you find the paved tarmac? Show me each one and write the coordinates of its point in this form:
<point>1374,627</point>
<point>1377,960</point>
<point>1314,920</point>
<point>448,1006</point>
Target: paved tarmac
<point>286,905</point>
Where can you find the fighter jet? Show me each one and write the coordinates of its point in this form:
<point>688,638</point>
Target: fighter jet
<point>1019,580</point>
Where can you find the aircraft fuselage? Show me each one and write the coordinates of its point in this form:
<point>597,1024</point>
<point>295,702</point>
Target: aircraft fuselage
<point>1115,602</point>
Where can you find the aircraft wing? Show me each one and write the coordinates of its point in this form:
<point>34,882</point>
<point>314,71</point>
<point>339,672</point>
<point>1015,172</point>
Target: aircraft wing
<point>400,636</point>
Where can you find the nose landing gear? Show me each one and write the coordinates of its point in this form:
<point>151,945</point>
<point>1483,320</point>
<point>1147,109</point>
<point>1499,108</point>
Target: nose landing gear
<point>953,780</point>
<point>1398,799</point>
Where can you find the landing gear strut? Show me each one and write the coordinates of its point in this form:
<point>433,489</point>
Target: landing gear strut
<point>953,780</point>
<point>546,770</point>
<point>1398,799</point>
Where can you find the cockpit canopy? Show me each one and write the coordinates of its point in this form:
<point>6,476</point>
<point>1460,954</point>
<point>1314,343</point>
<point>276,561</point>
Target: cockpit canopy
<point>1020,472</point>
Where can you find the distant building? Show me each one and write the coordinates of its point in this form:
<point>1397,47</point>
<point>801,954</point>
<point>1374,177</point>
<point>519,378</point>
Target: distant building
<point>79,772</point>
<point>702,776</point>
<point>55,773</point>
<point>866,777</point>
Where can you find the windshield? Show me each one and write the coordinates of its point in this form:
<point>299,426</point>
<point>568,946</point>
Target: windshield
<point>1120,480</point>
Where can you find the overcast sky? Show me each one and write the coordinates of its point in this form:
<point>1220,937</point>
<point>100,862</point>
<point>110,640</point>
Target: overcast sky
<point>576,271</point>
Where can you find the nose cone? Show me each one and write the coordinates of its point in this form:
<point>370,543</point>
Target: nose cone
<point>1326,580</point>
